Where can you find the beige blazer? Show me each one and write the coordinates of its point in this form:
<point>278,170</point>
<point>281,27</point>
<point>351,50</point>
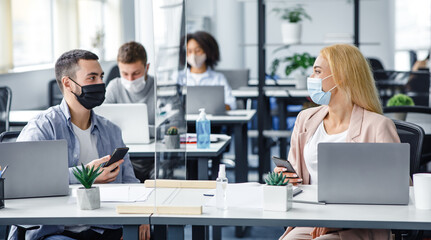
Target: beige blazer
<point>365,126</point>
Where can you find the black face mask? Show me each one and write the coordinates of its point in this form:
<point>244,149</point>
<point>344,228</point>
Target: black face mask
<point>91,95</point>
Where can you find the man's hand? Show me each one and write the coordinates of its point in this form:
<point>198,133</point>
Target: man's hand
<point>109,174</point>
<point>319,231</point>
<point>292,177</point>
<point>144,232</point>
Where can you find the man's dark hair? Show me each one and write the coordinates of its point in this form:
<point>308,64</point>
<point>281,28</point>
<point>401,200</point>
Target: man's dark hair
<point>206,42</point>
<point>67,64</point>
<point>132,52</point>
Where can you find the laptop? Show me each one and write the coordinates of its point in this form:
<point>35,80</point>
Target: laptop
<point>35,169</point>
<point>209,97</point>
<point>363,173</point>
<point>132,118</point>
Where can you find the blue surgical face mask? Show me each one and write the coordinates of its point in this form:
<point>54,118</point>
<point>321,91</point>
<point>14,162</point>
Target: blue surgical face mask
<point>314,86</point>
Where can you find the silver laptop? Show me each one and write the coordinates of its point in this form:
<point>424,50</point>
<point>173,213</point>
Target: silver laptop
<point>209,97</point>
<point>132,118</point>
<point>363,173</point>
<point>35,169</point>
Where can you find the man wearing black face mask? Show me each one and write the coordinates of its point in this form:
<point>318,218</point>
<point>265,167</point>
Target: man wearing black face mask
<point>90,137</point>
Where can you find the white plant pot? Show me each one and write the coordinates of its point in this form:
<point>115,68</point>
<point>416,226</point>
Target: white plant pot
<point>400,116</point>
<point>277,198</point>
<point>300,81</point>
<point>291,32</point>
<point>172,141</point>
<point>88,198</point>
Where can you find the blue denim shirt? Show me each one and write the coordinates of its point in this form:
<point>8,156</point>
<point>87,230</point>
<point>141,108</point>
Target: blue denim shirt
<point>55,124</point>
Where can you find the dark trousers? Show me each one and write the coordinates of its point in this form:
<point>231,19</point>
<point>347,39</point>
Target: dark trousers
<point>108,234</point>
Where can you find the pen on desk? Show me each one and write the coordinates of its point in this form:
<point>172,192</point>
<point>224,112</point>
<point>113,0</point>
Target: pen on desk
<point>208,195</point>
<point>308,202</point>
<point>4,170</point>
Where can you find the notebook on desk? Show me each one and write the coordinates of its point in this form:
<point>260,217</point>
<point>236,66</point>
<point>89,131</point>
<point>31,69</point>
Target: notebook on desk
<point>209,97</point>
<point>132,118</point>
<point>35,169</point>
<point>363,173</point>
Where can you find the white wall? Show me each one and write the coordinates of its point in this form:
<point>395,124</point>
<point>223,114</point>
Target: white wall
<point>235,22</point>
<point>30,89</point>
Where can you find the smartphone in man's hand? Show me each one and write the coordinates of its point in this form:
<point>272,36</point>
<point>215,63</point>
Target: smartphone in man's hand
<point>117,155</point>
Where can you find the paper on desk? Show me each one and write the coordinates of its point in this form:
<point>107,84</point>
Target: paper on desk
<point>120,194</point>
<point>125,194</point>
<point>242,195</point>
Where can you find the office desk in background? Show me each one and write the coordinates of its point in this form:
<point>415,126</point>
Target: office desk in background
<point>239,120</point>
<point>202,156</point>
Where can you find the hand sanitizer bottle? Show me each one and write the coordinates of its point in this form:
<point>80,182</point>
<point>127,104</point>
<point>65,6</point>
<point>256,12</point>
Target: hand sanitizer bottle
<point>221,188</point>
<point>203,130</point>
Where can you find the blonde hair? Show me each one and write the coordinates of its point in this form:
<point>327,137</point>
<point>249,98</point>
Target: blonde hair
<point>352,74</point>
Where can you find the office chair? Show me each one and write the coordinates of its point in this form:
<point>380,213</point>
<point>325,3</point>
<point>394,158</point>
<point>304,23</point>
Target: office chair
<point>113,73</point>
<point>5,102</point>
<point>418,115</point>
<point>55,95</point>
<point>414,135</point>
<point>9,136</point>
<point>418,86</point>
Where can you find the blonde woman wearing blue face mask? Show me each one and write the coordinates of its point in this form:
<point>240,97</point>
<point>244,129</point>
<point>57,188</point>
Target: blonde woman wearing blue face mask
<point>350,111</point>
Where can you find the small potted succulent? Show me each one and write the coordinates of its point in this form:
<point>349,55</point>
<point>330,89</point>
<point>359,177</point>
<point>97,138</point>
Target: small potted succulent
<point>88,196</point>
<point>172,138</point>
<point>291,27</point>
<point>277,193</point>
<point>297,61</point>
<point>400,100</point>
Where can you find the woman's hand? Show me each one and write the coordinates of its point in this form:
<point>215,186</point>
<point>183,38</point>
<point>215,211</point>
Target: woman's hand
<point>292,177</point>
<point>319,231</point>
<point>144,232</point>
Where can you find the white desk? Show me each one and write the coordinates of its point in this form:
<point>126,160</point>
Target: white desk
<point>148,150</point>
<point>193,153</point>
<point>239,120</point>
<point>57,211</point>
<point>329,215</point>
<point>21,117</point>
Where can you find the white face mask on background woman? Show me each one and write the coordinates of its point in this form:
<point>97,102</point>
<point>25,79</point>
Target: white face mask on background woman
<point>314,86</point>
<point>134,86</point>
<point>196,61</point>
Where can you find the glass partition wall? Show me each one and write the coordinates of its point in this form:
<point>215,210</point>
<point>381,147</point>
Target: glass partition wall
<point>169,27</point>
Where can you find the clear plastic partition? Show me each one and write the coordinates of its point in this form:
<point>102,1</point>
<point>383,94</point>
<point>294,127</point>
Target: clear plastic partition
<point>169,27</point>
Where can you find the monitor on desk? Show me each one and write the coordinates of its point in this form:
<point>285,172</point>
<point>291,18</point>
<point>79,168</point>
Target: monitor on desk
<point>363,173</point>
<point>35,169</point>
<point>209,97</point>
<point>132,118</point>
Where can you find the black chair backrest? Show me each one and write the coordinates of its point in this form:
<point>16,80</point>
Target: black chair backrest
<point>414,135</point>
<point>5,102</point>
<point>55,95</point>
<point>9,136</point>
<point>113,73</point>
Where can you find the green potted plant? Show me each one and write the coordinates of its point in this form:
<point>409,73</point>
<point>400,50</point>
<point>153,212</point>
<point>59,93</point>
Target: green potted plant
<point>172,138</point>
<point>88,197</point>
<point>298,61</point>
<point>400,100</point>
<point>277,193</point>
<point>291,27</point>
